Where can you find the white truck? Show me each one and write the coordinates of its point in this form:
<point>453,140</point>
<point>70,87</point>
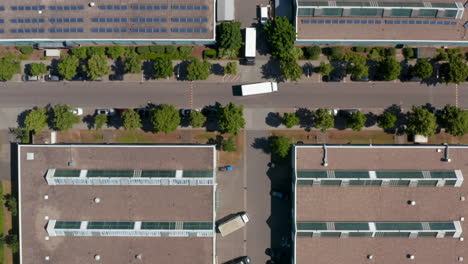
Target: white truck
<point>250,46</point>
<point>233,224</point>
<point>259,88</point>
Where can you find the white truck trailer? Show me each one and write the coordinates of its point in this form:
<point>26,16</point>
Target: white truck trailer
<point>259,88</point>
<point>250,46</point>
<point>233,224</point>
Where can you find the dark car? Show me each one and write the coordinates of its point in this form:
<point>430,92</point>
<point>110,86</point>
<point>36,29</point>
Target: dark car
<point>52,78</point>
<point>362,79</point>
<point>240,260</point>
<point>210,111</point>
<point>116,77</point>
<point>278,194</point>
<point>143,112</point>
<point>413,79</point>
<point>347,112</point>
<point>332,78</point>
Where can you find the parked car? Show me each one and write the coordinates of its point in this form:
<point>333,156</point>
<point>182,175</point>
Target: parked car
<point>414,79</point>
<point>109,111</point>
<point>116,77</point>
<point>29,78</point>
<point>187,112</point>
<point>362,79</point>
<point>278,194</point>
<point>333,78</point>
<point>240,260</point>
<point>347,112</point>
<point>210,111</point>
<point>263,14</point>
<point>143,112</point>
<point>77,111</point>
<point>226,168</point>
<point>53,78</point>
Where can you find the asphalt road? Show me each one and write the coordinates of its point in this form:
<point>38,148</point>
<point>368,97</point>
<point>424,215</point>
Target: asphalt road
<point>198,94</point>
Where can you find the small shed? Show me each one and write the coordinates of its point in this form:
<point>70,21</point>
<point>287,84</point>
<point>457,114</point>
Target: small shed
<point>420,139</point>
<point>225,10</point>
<point>52,53</point>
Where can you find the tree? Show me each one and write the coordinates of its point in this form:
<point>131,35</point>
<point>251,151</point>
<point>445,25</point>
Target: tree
<point>163,67</point>
<point>386,120</point>
<point>422,69</point>
<point>64,118</point>
<point>454,120</point>
<point>36,120</point>
<point>131,119</point>
<point>96,67</point>
<point>290,120</point>
<point>114,51</point>
<point>100,121</point>
<point>290,69</point>
<point>230,118</point>
<point>198,70</point>
<point>36,69</point>
<point>389,68</point>
<point>421,121</point>
<point>8,68</point>
<point>335,53</point>
<point>132,63</point>
<point>68,67</point>
<point>408,52</point>
<point>80,52</point>
<point>312,52</point>
<point>457,70</point>
<point>96,51</point>
<point>280,146</point>
<point>230,38</point>
<point>324,119</point>
<point>356,121</point>
<point>197,119</point>
<point>11,204</point>
<point>165,119</point>
<point>325,68</point>
<point>357,65</point>
<point>281,35</point>
<point>229,145</point>
<point>12,242</point>
<point>26,50</point>
<point>231,68</point>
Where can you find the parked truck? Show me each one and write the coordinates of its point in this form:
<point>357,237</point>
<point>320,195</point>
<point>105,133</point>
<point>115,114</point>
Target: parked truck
<point>233,224</point>
<point>259,88</point>
<point>250,46</point>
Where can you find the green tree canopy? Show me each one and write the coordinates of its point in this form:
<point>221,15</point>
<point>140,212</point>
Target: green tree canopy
<point>12,242</point>
<point>197,119</point>
<point>386,120</point>
<point>8,68</point>
<point>312,52</point>
<point>422,69</point>
<point>96,51</point>
<point>457,70</point>
<point>324,119</point>
<point>68,67</point>
<point>64,118</point>
<point>421,121</point>
<point>132,63</point>
<point>36,120</point>
<point>165,119</point>
<point>96,67</point>
<point>389,69</point>
<point>356,65</point>
<point>281,35</point>
<point>131,119</point>
<point>290,69</point>
<point>280,146</point>
<point>356,121</point>
<point>231,118</point>
<point>231,68</point>
<point>36,69</point>
<point>163,68</point>
<point>114,51</point>
<point>100,121</point>
<point>198,70</point>
<point>325,68</point>
<point>230,38</point>
<point>335,53</point>
<point>454,120</point>
<point>229,145</point>
<point>80,52</point>
<point>290,120</point>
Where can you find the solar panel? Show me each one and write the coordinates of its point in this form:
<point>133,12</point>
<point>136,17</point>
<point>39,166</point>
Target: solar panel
<point>190,7</point>
<point>149,7</point>
<point>2,8</point>
<point>27,30</point>
<point>148,30</point>
<point>27,8</point>
<point>110,225</point>
<point>66,7</point>
<point>65,30</point>
<point>113,7</point>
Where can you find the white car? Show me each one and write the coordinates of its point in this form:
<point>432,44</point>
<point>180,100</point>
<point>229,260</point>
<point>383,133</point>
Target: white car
<point>264,14</point>
<point>77,111</point>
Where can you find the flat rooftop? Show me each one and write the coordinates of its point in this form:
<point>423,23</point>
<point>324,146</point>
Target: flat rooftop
<point>107,20</point>
<point>381,22</point>
<point>380,204</point>
<point>117,203</point>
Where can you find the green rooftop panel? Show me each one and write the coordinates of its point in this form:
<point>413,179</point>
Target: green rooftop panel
<point>363,4</point>
<point>67,173</point>
<point>401,12</point>
<point>450,182</point>
<point>198,225</point>
<point>67,225</point>
<point>158,173</point>
<point>444,5</point>
<point>330,234</point>
<point>448,14</point>
<point>313,3</point>
<point>443,174</point>
<point>158,225</point>
<point>331,182</point>
<point>365,12</point>
<point>401,4</point>
<point>110,173</point>
<point>427,234</point>
<point>312,174</point>
<point>398,226</point>
<point>305,182</point>
<point>393,234</point>
<point>332,12</point>
<point>360,234</point>
<point>351,226</point>
<point>426,13</point>
<point>351,174</point>
<point>305,12</point>
<point>399,174</point>
<point>110,225</point>
<point>365,182</point>
<point>427,183</point>
<point>311,226</point>
<point>197,174</point>
<point>442,226</point>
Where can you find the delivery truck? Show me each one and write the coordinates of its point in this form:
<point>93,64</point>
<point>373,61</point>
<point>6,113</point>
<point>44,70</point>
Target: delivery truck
<point>232,224</point>
<point>258,88</point>
<point>250,46</point>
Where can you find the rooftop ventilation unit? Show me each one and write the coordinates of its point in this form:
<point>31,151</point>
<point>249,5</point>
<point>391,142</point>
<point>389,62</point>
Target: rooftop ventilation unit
<point>30,156</point>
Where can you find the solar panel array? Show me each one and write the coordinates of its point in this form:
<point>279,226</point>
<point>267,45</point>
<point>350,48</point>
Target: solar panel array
<point>189,19</point>
<point>2,21</point>
<point>342,21</point>
<point>66,30</point>
<point>148,30</point>
<point>421,22</point>
<point>148,19</point>
<point>27,8</point>
<point>66,20</point>
<point>110,19</point>
<point>109,30</point>
<point>149,7</point>
<point>66,7</point>
<point>27,30</point>
<point>28,20</point>
<point>189,30</point>
<point>2,8</point>
<point>190,7</point>
<point>113,7</point>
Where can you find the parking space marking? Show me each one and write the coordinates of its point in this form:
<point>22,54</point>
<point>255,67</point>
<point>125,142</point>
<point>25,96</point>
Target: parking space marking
<point>245,189</point>
<point>456,95</point>
<point>191,94</point>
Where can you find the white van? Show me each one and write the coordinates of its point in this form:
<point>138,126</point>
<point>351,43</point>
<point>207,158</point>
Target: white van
<point>259,88</point>
<point>264,14</point>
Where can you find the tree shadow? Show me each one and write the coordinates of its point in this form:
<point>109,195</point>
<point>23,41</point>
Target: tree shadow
<point>340,122</point>
<point>273,119</point>
<point>217,69</point>
<point>262,143</point>
<point>53,67</point>
<point>148,70</point>
<point>20,119</point>
<point>89,120</point>
<point>400,123</point>
<point>115,121</point>
<point>308,69</point>
<point>371,119</point>
<point>306,120</point>
<point>118,67</point>
<point>271,70</point>
<point>405,73</point>
<point>181,70</point>
<point>218,141</point>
